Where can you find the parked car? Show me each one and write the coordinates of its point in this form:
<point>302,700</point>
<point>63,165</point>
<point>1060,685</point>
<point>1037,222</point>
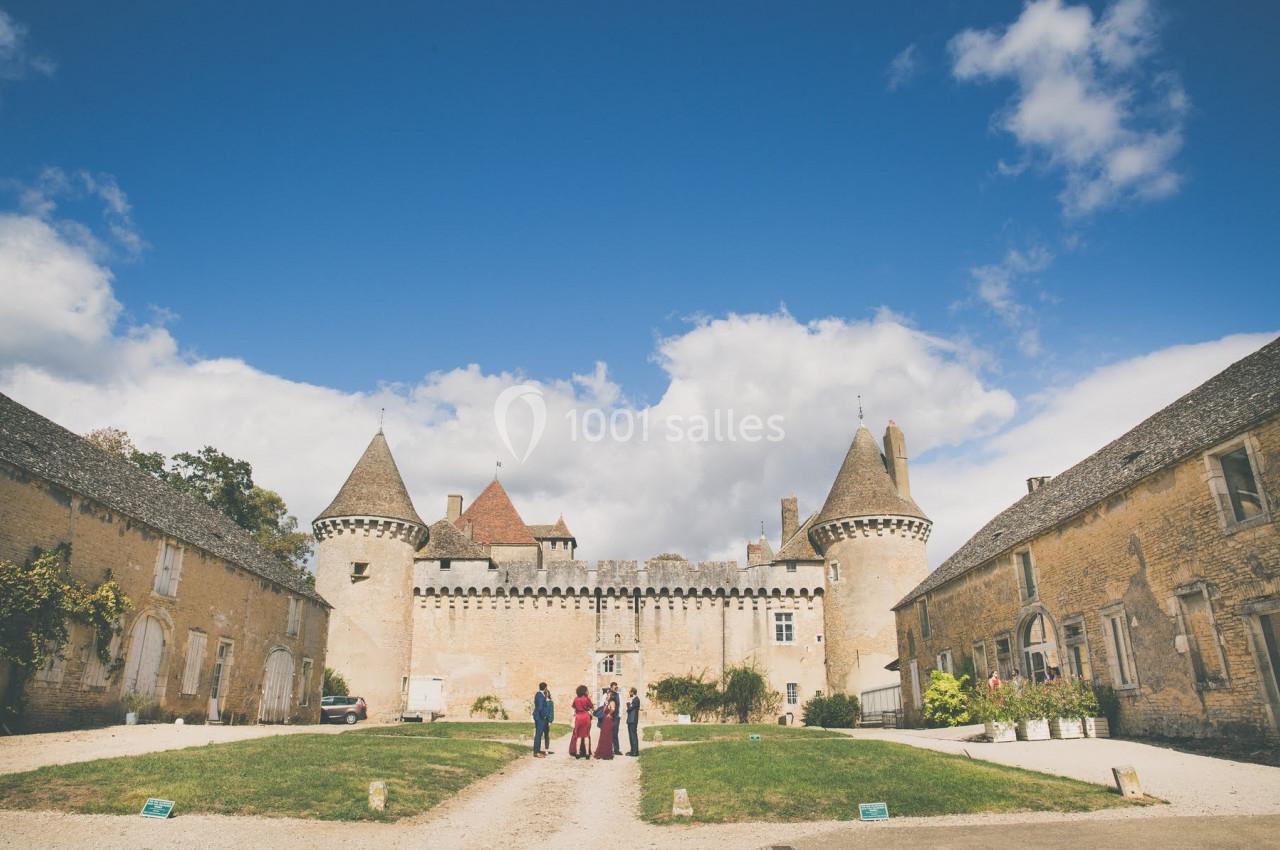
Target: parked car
<point>343,710</point>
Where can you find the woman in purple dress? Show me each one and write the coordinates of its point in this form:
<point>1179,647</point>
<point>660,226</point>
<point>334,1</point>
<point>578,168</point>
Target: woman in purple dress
<point>605,748</point>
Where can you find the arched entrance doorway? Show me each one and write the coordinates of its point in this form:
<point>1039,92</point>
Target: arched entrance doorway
<point>1039,647</point>
<point>146,655</point>
<point>277,688</point>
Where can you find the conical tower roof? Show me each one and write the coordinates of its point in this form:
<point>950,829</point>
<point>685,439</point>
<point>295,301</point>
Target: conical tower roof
<point>494,519</point>
<point>863,486</point>
<point>374,488</point>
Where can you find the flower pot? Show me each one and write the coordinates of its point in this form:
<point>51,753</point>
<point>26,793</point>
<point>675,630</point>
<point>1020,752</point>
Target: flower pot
<point>1096,727</point>
<point>1066,727</point>
<point>131,718</point>
<point>1036,729</point>
<point>1001,731</point>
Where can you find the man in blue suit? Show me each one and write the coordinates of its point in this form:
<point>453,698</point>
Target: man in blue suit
<point>540,722</point>
<point>633,722</point>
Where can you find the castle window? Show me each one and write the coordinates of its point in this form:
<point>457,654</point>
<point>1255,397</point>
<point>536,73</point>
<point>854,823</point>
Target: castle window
<point>1026,574</point>
<point>923,605</point>
<point>791,566</point>
<point>1077,644</point>
<point>304,698</point>
<point>793,693</point>
<point>1004,656</point>
<point>1200,637</point>
<point>980,668</point>
<point>784,629</point>
<point>444,564</point>
<point>835,571</point>
<point>1119,648</point>
<point>359,569</point>
<point>945,663</point>
<point>168,570</point>
<point>1233,478</point>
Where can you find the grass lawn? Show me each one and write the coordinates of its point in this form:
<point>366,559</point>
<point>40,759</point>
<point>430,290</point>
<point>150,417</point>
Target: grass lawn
<point>312,776</point>
<point>816,780</point>
<point>500,731</point>
<point>734,732</point>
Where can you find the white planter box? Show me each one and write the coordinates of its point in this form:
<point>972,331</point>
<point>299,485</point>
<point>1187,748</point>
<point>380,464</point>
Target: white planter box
<point>1096,727</point>
<point>1001,731</point>
<point>1066,727</point>
<point>1033,730</point>
<point>131,718</point>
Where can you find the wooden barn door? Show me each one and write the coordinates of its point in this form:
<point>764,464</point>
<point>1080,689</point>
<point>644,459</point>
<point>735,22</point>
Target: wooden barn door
<point>277,688</point>
<point>146,653</point>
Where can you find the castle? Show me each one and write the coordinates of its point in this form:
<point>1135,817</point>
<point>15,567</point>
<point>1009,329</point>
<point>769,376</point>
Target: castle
<point>479,602</point>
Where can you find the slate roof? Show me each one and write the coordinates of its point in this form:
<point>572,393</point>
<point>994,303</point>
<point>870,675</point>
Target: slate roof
<point>558,530</point>
<point>863,486</point>
<point>759,553</point>
<point>446,541</point>
<point>799,547</point>
<point>374,488</point>
<point>495,520</point>
<point>1245,393</point>
<point>47,450</point>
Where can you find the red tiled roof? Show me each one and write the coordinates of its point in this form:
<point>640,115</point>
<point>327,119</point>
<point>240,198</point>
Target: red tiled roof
<point>495,520</point>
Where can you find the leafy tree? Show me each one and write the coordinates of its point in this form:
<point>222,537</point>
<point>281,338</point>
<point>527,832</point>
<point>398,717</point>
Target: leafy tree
<point>490,706</point>
<point>945,702</point>
<point>691,695</point>
<point>38,602</point>
<point>334,684</point>
<point>225,483</point>
<point>746,695</point>
<point>835,711</point>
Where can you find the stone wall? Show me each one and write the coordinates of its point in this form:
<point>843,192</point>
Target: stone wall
<point>1156,552</point>
<point>214,597</point>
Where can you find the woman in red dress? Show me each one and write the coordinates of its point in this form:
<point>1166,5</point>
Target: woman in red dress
<point>604,749</point>
<point>581,725</point>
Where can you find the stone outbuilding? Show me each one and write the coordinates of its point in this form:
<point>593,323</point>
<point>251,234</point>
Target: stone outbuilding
<point>220,631</point>
<point>1152,566</point>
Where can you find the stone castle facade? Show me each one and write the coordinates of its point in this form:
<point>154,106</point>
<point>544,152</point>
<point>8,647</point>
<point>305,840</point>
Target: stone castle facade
<point>479,602</point>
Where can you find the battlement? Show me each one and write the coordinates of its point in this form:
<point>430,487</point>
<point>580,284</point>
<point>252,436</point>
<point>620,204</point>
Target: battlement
<point>369,526</point>
<point>616,578</point>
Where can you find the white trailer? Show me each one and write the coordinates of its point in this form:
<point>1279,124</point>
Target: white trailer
<point>425,700</point>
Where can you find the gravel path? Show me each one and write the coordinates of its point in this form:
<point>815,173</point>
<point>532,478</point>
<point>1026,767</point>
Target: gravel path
<point>561,803</point>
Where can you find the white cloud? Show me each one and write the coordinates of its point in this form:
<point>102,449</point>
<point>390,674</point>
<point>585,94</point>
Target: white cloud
<point>16,60</point>
<point>53,185</point>
<point>904,67</point>
<point>996,286</point>
<point>1084,101</point>
<point>68,357</point>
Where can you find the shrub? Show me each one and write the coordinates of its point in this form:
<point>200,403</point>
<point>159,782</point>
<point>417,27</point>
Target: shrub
<point>490,706</point>
<point>993,706</point>
<point>837,711</point>
<point>1109,704</point>
<point>1033,701</point>
<point>746,695</point>
<point>944,700</point>
<point>691,695</point>
<point>334,684</point>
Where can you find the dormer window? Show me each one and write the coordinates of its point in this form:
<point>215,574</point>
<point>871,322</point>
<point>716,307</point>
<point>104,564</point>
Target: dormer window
<point>445,565</point>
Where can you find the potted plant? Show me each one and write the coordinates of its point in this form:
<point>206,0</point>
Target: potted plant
<point>994,708</point>
<point>1065,698</point>
<point>1031,710</point>
<point>135,705</point>
<point>1092,710</point>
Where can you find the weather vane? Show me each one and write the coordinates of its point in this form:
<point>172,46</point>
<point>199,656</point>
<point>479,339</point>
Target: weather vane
<point>859,407</point>
<point>382,414</point>
<point>497,464</point>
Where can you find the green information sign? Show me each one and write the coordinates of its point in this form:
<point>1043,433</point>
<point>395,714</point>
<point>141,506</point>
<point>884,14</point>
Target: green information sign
<point>158,808</point>
<point>755,737</point>
<point>873,811</point>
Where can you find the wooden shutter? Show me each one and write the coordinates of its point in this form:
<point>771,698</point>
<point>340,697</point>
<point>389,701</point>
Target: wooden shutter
<point>195,658</point>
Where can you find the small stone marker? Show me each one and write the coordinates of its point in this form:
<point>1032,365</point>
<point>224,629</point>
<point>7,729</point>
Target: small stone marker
<point>156,808</point>
<point>873,811</point>
<point>378,796</point>
<point>754,737</point>
<point>681,807</point>
<point>1127,782</point>
<point>657,737</point>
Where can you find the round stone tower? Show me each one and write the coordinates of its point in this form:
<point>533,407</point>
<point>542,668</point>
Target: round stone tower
<point>872,537</point>
<point>365,542</point>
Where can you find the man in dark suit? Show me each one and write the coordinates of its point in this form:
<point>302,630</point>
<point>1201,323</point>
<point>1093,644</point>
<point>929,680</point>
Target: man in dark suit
<point>633,722</point>
<point>616,699</point>
<point>539,719</point>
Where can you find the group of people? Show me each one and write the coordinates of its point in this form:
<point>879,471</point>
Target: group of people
<point>608,717</point>
<point>1051,674</point>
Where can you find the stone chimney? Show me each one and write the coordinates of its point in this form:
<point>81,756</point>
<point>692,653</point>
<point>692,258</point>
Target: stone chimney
<point>790,518</point>
<point>454,508</point>
<point>468,531</point>
<point>895,457</point>
<point>1034,484</point>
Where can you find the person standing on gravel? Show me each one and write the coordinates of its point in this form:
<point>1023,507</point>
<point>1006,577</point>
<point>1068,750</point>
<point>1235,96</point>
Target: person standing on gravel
<point>540,722</point>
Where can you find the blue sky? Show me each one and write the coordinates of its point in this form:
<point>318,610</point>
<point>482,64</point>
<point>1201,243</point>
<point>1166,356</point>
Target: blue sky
<point>346,195</point>
<point>299,197</point>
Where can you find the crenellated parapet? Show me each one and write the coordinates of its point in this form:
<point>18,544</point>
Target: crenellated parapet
<point>369,526</point>
<point>866,527</point>
<point>616,578</point>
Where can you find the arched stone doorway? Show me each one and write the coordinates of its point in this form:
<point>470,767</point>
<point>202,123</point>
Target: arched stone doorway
<point>147,642</point>
<point>277,687</point>
<point>1037,636</point>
